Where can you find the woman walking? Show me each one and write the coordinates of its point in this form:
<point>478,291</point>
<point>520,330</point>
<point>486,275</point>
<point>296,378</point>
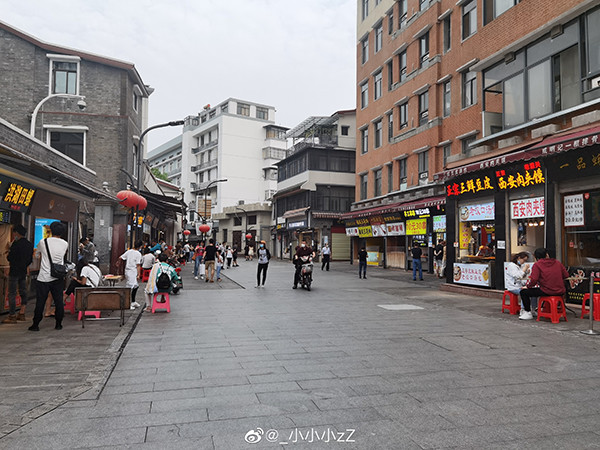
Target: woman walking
<point>263,263</point>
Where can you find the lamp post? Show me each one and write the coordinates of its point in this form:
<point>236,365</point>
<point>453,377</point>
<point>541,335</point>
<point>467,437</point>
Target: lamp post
<point>206,189</point>
<point>81,104</point>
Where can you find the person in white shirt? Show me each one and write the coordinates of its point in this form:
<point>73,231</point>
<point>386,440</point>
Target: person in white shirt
<point>133,270</point>
<point>89,276</point>
<point>46,283</point>
<point>148,259</point>
<point>326,254</point>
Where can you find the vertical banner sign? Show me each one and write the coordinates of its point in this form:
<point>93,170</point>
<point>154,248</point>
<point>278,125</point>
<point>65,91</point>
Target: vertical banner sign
<point>465,235</point>
<point>574,216</point>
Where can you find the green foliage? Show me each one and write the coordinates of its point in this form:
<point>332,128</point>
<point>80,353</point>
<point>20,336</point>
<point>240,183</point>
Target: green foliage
<point>158,174</point>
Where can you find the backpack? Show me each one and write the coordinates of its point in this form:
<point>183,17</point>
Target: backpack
<point>163,282</point>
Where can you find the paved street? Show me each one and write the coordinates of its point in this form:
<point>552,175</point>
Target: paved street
<point>286,367</point>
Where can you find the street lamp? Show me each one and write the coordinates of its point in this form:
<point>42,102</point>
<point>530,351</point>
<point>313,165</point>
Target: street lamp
<point>81,104</point>
<point>206,192</point>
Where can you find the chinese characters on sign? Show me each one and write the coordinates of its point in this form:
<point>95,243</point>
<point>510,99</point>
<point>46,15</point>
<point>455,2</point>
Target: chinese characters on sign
<point>416,227</point>
<point>569,145</point>
<point>574,216</point>
<point>472,185</point>
<point>439,224</point>
<point>15,196</point>
<point>366,231</point>
<point>527,208</point>
<point>352,231</point>
<point>396,229</point>
<point>474,274</point>
<point>379,230</point>
<point>472,213</point>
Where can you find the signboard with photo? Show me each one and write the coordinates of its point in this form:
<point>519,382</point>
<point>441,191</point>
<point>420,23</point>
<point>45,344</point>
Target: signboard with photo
<point>473,274</point>
<point>479,212</point>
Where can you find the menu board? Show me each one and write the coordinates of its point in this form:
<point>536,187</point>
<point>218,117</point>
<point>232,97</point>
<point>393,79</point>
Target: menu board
<point>574,216</point>
<point>416,227</point>
<point>473,274</point>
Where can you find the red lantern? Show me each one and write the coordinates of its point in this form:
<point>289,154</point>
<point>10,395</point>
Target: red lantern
<point>248,236</point>
<point>142,203</point>
<point>127,198</point>
<point>187,232</point>
<point>204,228</point>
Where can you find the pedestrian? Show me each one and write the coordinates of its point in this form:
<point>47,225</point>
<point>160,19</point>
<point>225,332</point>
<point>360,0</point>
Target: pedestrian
<point>20,257</point>
<point>302,252</point>
<point>133,270</point>
<point>264,257</point>
<point>547,279</point>
<point>89,276</point>
<point>251,252</point>
<point>148,259</point>
<point>51,250</point>
<point>198,258</point>
<point>326,255</point>
<point>438,254</point>
<point>246,251</point>
<point>417,253</point>
<point>209,260</point>
<point>362,263</point>
<point>186,252</point>
<point>234,253</point>
<point>229,256</point>
<point>219,263</point>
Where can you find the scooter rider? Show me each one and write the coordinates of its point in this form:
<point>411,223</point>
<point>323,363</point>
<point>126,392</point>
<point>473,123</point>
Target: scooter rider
<point>302,250</point>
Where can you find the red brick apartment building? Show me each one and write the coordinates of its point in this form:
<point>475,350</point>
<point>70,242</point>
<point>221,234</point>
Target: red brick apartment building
<point>455,101</point>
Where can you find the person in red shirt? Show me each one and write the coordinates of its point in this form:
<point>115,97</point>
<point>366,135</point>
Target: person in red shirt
<point>547,279</point>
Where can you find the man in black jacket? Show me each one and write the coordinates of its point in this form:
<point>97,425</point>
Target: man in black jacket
<point>20,256</point>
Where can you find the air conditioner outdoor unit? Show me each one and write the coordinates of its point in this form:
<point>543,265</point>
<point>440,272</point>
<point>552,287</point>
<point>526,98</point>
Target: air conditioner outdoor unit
<point>424,175</point>
<point>240,202</point>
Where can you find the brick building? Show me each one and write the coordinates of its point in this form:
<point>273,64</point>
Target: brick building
<point>446,89</point>
<point>90,111</point>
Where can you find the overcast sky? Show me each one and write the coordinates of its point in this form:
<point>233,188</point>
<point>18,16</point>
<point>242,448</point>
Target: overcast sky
<point>296,55</point>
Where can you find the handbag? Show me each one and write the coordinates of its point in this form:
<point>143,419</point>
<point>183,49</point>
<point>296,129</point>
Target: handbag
<point>56,270</point>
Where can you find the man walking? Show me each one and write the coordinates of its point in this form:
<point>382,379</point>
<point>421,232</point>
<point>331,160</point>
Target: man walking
<point>326,255</point>
<point>362,263</point>
<point>209,260</point>
<point>50,250</point>
<point>438,254</point>
<point>416,260</point>
<point>20,257</point>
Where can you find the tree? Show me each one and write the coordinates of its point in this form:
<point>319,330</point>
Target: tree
<point>158,174</point>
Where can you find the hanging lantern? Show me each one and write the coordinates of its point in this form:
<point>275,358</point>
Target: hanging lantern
<point>248,236</point>
<point>204,228</point>
<point>142,203</point>
<point>187,232</point>
<point>127,198</point>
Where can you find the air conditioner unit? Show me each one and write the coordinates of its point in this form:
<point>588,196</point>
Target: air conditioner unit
<point>240,202</point>
<point>424,175</point>
<point>403,186</point>
<point>595,83</point>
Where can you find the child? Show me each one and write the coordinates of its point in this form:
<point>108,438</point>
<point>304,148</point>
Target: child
<point>219,264</point>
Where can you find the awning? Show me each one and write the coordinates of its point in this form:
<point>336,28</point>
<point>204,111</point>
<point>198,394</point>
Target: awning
<point>295,212</point>
<point>551,145</point>
<point>395,207</point>
<point>326,215</point>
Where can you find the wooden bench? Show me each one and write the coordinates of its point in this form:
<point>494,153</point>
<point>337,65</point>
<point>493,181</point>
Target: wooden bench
<point>103,298</point>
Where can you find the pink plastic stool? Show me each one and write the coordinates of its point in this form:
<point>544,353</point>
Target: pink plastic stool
<point>70,304</point>
<point>161,305</point>
<point>95,314</point>
<point>513,306</point>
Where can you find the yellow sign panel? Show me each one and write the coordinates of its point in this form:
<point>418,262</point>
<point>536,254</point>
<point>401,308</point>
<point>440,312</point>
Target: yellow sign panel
<point>465,234</point>
<point>365,231</point>
<point>416,227</point>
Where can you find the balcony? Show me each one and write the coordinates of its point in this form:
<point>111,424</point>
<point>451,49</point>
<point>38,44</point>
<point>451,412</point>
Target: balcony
<point>211,144</point>
<point>269,193</point>
<point>206,164</point>
<point>274,153</point>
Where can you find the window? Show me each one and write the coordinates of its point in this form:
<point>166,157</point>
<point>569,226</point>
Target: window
<point>447,98</point>
<point>136,101</point>
<point>423,4</point>
<point>390,117</point>
<point>423,49</point>
<point>262,113</point>
<point>424,165</point>
<point>402,13</point>
<point>252,219</point>
<point>243,109</point>
<point>378,37</point>
<point>212,114</point>
<point>493,8</point>
<point>237,221</point>
<point>224,108</point>
<point>593,37</point>
<point>378,128</point>
<point>363,186</point>
<point>402,171</point>
<point>377,184</point>
<point>391,22</point>
<point>466,144</point>
<point>364,95</point>
<point>469,18</point>
<point>390,74</point>
<point>390,177</point>
<point>64,77</point>
<point>364,140</point>
<point>402,66</point>
<point>135,159</point>
<point>469,96</point>
<point>69,143</point>
<point>345,130</point>
<point>447,33</point>
<point>513,98</point>
<point>403,113</point>
<point>365,49</point>
<point>377,88</point>
<point>424,108</point>
<point>447,151</point>
<point>365,9</point>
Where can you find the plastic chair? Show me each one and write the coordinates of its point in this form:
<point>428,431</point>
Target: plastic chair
<point>70,304</point>
<point>553,308</point>
<point>95,314</point>
<point>513,305</point>
<point>146,275</point>
<point>586,310</point>
<point>161,305</point>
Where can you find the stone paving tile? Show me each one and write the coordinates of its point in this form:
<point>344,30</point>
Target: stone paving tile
<point>174,443</point>
<point>254,388</point>
<point>202,402</point>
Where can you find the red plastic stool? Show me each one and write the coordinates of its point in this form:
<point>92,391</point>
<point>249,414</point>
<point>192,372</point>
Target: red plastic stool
<point>70,304</point>
<point>95,314</point>
<point>513,306</point>
<point>161,305</point>
<point>586,310</point>
<point>146,275</point>
<point>553,308</point>
<point>178,270</point>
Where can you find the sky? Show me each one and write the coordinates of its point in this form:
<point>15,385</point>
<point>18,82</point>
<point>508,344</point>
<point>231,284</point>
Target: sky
<point>296,55</point>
